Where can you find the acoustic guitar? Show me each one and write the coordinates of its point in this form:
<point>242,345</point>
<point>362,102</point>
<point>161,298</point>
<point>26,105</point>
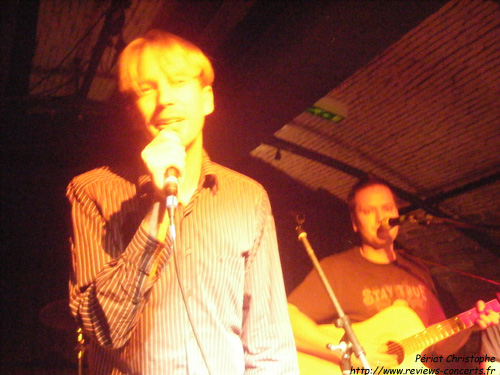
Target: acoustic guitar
<point>400,328</point>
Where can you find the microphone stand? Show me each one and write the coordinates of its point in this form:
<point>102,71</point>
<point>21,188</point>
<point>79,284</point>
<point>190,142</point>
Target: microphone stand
<point>427,220</point>
<point>351,343</point>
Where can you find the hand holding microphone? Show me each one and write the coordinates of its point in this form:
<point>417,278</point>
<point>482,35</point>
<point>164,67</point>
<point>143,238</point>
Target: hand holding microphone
<point>165,158</point>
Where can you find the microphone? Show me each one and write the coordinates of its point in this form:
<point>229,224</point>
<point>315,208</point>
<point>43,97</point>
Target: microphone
<point>171,188</point>
<point>389,222</point>
<point>171,182</point>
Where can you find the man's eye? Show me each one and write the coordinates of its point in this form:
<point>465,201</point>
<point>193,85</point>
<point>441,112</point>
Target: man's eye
<point>179,81</point>
<point>145,89</point>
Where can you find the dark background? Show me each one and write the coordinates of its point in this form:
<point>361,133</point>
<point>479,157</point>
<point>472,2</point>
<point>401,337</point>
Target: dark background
<point>46,141</point>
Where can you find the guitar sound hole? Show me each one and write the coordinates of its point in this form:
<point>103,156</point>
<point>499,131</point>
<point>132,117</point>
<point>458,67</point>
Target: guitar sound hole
<point>395,348</point>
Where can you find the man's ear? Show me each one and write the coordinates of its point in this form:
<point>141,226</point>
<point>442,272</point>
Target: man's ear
<point>135,117</point>
<point>354,225</point>
<point>132,115</point>
<point>208,100</point>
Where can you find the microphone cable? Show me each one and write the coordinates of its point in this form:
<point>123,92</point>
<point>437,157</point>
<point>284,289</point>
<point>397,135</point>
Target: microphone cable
<point>181,287</point>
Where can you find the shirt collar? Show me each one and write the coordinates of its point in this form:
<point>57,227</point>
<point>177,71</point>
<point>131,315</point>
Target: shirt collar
<point>208,176</point>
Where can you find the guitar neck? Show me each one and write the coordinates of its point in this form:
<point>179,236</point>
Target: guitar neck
<point>440,331</point>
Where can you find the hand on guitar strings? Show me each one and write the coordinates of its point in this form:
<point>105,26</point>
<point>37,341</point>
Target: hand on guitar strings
<point>487,317</point>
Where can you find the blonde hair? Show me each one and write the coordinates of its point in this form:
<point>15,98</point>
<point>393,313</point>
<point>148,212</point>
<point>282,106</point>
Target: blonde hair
<point>174,54</point>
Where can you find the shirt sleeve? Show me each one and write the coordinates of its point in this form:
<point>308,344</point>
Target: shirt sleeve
<point>267,335</point>
<point>490,342</point>
<point>110,281</point>
<point>311,297</point>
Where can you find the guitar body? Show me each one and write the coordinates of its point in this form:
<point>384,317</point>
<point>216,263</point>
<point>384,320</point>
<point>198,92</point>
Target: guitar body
<point>390,325</point>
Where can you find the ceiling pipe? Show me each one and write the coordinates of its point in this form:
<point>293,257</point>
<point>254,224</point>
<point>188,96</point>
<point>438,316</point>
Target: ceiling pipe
<point>414,200</point>
<point>113,25</point>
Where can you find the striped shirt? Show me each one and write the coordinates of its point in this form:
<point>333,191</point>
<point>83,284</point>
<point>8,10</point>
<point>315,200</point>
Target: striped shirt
<point>216,302</point>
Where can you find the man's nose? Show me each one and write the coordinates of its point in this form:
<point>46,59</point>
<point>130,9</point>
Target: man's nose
<point>165,94</point>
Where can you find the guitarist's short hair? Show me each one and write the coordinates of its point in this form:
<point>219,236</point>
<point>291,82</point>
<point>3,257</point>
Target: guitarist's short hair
<point>360,185</point>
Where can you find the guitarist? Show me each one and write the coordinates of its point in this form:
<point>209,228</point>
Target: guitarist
<point>367,279</point>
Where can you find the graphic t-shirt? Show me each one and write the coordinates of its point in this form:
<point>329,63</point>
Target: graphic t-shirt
<point>363,288</point>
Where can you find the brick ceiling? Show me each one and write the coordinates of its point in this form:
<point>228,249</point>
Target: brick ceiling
<point>418,83</point>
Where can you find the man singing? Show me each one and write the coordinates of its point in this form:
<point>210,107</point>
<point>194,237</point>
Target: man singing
<point>202,294</point>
